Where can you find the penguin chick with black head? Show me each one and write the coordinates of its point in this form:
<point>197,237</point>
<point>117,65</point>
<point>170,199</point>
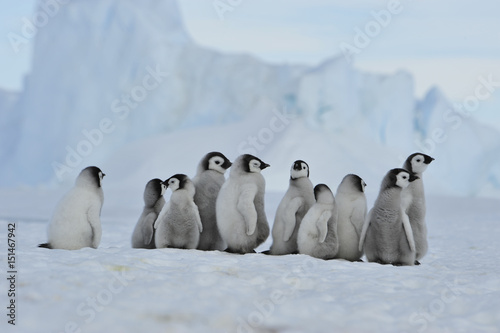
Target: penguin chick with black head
<point>76,221</point>
<point>387,237</point>
<point>291,210</point>
<point>240,209</point>
<point>317,234</point>
<point>413,201</point>
<point>179,224</point>
<point>143,235</point>
<point>351,205</point>
<point>208,181</point>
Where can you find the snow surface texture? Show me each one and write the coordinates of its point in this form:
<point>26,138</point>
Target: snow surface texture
<point>119,289</point>
<point>107,73</point>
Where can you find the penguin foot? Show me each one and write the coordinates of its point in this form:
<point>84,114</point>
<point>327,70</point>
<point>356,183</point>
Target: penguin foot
<point>45,246</point>
<point>417,263</point>
<point>267,252</point>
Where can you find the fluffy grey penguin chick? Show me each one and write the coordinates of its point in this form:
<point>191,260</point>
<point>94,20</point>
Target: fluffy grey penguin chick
<point>413,201</point>
<point>317,235</point>
<point>291,210</point>
<point>76,221</point>
<point>387,237</point>
<point>240,209</point>
<point>207,182</point>
<point>351,205</point>
<point>179,225</point>
<point>143,235</point>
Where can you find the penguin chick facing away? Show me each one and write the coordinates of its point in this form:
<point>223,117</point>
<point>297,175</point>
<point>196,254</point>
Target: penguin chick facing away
<point>317,235</point>
<point>240,210</point>
<point>207,182</point>
<point>413,201</point>
<point>351,205</point>
<point>387,237</point>
<point>179,224</point>
<point>76,221</point>
<point>143,235</point>
<point>291,210</point>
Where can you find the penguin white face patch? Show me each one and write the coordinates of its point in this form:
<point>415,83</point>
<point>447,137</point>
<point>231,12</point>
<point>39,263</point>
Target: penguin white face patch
<point>173,184</point>
<point>163,189</point>
<point>254,166</point>
<point>303,172</point>
<point>403,179</point>
<point>363,185</point>
<point>215,163</point>
<point>101,176</point>
<point>418,164</point>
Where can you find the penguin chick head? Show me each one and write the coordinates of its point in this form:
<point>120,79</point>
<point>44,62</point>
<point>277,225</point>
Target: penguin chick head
<point>176,182</point>
<point>299,169</point>
<point>398,178</point>
<point>417,163</point>
<point>90,176</point>
<point>323,194</point>
<point>352,184</point>
<point>251,164</point>
<point>153,191</point>
<point>215,161</point>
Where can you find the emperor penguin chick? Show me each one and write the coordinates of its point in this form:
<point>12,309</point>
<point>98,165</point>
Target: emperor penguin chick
<point>387,237</point>
<point>179,225</point>
<point>413,201</point>
<point>76,222</point>
<point>241,216</point>
<point>317,235</point>
<point>207,182</point>
<point>351,205</point>
<point>143,235</point>
<point>291,210</point>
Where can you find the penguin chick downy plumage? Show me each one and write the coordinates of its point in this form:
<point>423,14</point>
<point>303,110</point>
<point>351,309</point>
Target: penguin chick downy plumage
<point>76,221</point>
<point>240,210</point>
<point>291,210</point>
<point>179,224</point>
<point>387,237</point>
<point>413,201</point>
<point>351,205</point>
<point>143,235</point>
<point>207,182</point>
<point>317,234</point>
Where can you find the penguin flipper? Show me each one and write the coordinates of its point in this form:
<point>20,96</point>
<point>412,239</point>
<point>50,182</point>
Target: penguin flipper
<point>408,230</point>
<point>357,220</point>
<point>147,228</point>
<point>322,225</point>
<point>246,207</point>
<point>289,218</point>
<point>94,219</point>
<point>364,230</point>
<point>198,218</point>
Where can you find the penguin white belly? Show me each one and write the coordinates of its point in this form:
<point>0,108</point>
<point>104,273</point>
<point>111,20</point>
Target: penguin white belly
<point>70,227</point>
<point>230,221</point>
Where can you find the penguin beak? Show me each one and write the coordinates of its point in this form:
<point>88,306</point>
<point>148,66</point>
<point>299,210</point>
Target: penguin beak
<point>264,165</point>
<point>227,165</point>
<point>165,183</point>
<point>413,178</point>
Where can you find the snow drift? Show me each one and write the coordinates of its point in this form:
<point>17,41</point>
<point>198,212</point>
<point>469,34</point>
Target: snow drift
<point>121,83</point>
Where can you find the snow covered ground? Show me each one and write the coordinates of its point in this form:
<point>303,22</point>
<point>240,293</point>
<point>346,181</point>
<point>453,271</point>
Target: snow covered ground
<point>119,289</point>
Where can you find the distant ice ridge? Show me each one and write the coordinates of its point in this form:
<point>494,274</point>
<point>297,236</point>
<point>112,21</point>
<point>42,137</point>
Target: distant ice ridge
<point>116,76</point>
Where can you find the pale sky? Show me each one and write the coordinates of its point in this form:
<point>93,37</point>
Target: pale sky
<point>447,43</point>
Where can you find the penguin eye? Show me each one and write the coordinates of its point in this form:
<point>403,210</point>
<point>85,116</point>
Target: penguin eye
<point>404,177</point>
<point>217,162</point>
<point>303,168</point>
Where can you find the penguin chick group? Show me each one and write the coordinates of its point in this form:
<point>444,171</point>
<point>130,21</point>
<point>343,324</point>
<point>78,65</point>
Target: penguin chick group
<point>211,212</point>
